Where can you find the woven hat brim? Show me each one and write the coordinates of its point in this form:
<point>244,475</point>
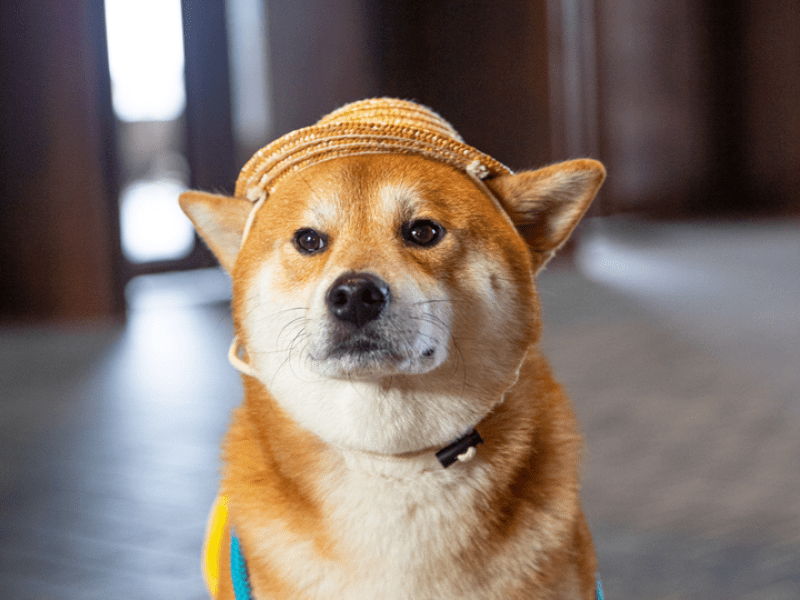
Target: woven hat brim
<point>331,139</point>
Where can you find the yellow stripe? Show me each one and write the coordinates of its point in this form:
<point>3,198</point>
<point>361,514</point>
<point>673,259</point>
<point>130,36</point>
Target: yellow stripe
<point>212,548</point>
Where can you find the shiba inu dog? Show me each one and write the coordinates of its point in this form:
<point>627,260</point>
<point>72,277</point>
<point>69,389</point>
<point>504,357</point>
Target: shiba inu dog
<point>401,435</point>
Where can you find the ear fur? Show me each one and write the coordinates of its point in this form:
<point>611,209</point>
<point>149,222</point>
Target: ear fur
<point>548,203</point>
<point>219,220</point>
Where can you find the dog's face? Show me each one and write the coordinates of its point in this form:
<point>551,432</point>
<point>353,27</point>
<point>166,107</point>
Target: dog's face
<point>386,301</point>
<point>366,268</point>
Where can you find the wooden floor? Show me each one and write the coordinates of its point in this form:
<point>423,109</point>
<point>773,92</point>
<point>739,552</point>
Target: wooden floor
<point>109,450</point>
<point>680,345</point>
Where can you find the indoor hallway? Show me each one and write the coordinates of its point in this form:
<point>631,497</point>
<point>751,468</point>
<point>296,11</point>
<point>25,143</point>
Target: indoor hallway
<point>679,343</point>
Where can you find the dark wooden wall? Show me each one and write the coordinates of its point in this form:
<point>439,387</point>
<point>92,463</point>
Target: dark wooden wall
<point>482,65</point>
<point>319,58</point>
<point>59,237</point>
<point>698,105</point>
<point>655,117</point>
<point>771,99</point>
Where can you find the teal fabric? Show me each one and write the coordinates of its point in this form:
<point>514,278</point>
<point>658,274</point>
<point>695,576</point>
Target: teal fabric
<point>241,582</point>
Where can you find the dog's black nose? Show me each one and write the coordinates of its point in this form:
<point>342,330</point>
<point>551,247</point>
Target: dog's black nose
<point>357,298</point>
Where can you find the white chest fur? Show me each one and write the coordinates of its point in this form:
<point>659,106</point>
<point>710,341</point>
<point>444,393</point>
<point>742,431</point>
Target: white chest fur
<point>403,530</point>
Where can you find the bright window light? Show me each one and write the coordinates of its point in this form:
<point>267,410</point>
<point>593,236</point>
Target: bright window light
<point>153,227</point>
<point>145,55</point>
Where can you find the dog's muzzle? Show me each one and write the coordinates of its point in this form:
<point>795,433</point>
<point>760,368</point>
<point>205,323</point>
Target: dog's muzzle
<point>360,332</point>
<point>357,299</point>
<point>368,329</point>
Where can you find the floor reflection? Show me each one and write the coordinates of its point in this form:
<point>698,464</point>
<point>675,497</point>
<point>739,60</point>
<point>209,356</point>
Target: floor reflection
<point>110,447</point>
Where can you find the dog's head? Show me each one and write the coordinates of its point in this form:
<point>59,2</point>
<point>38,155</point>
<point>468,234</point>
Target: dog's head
<point>387,300</point>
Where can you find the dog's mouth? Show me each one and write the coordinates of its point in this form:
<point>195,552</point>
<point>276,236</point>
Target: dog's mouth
<point>367,353</point>
<point>361,346</point>
<point>363,351</point>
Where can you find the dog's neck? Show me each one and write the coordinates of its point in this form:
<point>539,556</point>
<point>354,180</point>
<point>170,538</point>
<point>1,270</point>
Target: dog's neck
<point>401,466</point>
<point>423,443</point>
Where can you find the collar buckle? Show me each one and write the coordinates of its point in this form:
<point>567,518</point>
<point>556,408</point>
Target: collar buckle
<point>462,449</point>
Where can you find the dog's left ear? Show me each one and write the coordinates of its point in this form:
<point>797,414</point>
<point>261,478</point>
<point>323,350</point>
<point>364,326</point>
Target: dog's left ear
<point>219,220</point>
<point>548,203</point>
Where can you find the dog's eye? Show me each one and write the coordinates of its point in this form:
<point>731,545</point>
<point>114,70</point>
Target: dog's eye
<point>422,233</point>
<point>309,241</point>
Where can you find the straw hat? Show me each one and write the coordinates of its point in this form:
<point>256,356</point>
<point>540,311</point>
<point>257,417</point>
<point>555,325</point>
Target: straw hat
<point>377,126</point>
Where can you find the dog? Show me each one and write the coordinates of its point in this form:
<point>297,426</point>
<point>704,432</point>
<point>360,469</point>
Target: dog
<point>401,434</point>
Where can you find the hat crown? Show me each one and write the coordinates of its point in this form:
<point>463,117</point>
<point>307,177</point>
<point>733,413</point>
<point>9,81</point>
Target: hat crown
<point>389,111</point>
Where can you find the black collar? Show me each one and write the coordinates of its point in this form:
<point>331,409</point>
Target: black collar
<point>458,449</point>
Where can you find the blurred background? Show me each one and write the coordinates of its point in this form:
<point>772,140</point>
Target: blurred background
<point>673,318</point>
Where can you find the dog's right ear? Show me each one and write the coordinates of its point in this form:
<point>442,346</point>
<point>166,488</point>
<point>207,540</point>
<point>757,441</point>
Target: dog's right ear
<point>220,221</point>
<point>547,204</point>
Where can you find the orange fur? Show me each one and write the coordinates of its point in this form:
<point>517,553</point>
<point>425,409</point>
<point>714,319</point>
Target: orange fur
<point>507,524</point>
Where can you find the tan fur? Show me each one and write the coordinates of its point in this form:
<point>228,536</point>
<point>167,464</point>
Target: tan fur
<point>320,511</point>
<point>220,220</point>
